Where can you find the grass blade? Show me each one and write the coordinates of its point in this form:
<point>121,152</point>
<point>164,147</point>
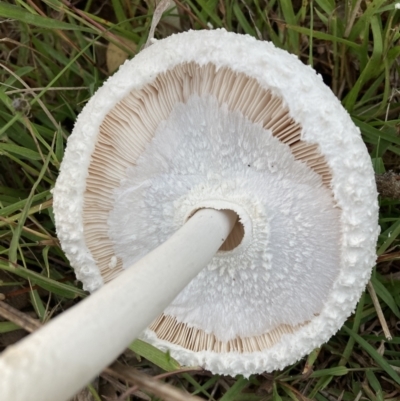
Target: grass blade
<point>20,14</point>
<point>381,361</point>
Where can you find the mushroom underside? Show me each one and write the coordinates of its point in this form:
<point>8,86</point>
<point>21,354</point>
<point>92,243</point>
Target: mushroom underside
<point>123,137</point>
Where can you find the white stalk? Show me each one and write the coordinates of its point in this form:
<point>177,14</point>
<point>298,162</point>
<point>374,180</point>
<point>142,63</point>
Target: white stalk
<point>58,360</point>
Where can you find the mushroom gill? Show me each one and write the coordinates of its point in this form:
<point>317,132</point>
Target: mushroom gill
<point>130,126</point>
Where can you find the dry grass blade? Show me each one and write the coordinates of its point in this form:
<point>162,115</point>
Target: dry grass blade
<point>19,318</point>
<point>135,388</point>
<point>161,7</point>
<point>352,19</point>
<point>159,389</point>
<point>379,312</point>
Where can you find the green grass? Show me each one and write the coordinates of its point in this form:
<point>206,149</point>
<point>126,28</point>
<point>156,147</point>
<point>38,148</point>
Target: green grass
<point>52,57</point>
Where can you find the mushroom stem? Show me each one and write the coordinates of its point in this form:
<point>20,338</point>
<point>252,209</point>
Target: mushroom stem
<point>56,361</point>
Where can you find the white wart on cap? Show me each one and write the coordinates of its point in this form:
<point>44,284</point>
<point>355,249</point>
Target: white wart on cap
<point>212,119</point>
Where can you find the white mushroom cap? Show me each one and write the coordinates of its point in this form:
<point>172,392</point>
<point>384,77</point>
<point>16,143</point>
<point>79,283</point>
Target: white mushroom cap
<point>215,119</point>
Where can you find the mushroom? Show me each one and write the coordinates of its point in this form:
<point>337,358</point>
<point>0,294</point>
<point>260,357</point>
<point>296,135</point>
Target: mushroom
<point>218,127</point>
